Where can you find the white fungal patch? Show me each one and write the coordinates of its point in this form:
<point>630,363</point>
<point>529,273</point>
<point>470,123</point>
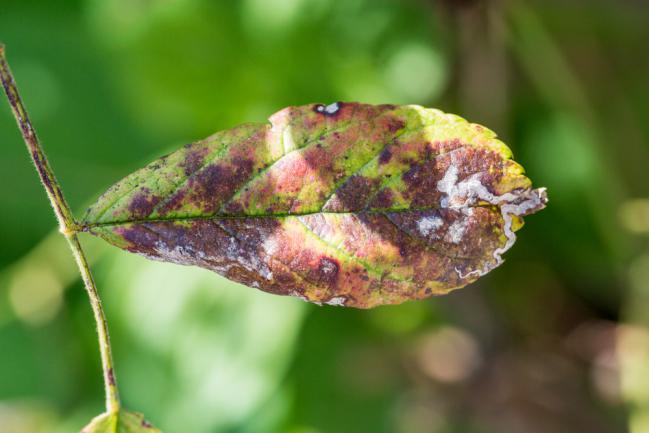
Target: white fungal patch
<point>456,231</point>
<point>448,185</point>
<point>464,194</point>
<point>270,246</point>
<point>249,261</point>
<point>429,224</point>
<point>186,255</point>
<point>338,301</point>
<point>332,108</point>
<point>328,109</point>
<point>180,254</point>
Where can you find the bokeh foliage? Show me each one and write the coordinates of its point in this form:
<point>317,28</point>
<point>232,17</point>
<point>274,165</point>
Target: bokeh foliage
<point>556,340</point>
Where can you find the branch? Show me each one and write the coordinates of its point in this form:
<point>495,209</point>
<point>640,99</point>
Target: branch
<point>67,225</point>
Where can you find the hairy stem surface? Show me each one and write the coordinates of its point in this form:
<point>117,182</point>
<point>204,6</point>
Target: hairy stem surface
<point>67,225</point>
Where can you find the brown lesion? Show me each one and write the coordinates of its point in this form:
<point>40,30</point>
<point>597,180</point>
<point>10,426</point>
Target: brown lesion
<point>176,201</point>
<point>194,158</point>
<point>479,231</point>
<point>385,156</point>
<point>384,199</point>
<point>394,124</point>
<point>327,271</point>
<point>143,203</point>
<point>351,195</point>
<point>215,183</point>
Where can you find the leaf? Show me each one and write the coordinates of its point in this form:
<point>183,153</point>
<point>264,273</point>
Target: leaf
<point>119,422</point>
<point>346,204</point>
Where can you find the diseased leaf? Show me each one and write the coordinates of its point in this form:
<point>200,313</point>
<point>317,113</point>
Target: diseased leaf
<point>120,422</point>
<point>346,204</point>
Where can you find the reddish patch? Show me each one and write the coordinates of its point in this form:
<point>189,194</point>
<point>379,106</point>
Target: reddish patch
<point>318,158</point>
<point>143,203</point>
<point>413,176</point>
<point>383,199</point>
<point>210,186</point>
<point>353,194</point>
<point>175,202</point>
<point>235,208</point>
<point>194,160</point>
<point>140,240</point>
<point>421,181</point>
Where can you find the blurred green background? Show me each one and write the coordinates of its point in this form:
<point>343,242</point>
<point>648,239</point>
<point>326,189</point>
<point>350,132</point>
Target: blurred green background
<point>555,340</point>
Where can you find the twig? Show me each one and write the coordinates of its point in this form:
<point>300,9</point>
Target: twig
<point>67,225</point>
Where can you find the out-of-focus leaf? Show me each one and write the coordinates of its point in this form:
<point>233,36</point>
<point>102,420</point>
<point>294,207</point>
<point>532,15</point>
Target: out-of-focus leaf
<point>241,344</point>
<point>347,204</point>
<point>120,422</point>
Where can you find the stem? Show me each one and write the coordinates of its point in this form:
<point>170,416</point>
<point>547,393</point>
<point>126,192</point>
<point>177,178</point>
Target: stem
<point>67,225</point>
